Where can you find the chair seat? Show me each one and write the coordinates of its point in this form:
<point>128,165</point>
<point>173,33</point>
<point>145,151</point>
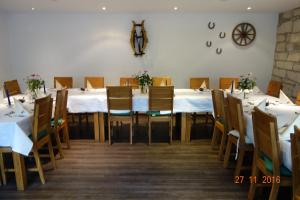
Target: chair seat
<point>159,113</point>
<point>269,166</point>
<point>235,133</point>
<point>40,135</point>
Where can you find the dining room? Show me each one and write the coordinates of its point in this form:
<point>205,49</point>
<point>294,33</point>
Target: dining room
<point>137,99</point>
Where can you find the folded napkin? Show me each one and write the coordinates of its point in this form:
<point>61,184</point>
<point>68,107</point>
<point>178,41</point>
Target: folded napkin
<point>58,85</point>
<point>262,105</point>
<point>203,85</point>
<point>284,99</point>
<point>89,85</point>
<point>232,87</point>
<point>286,130</point>
<point>20,110</point>
<point>1,95</point>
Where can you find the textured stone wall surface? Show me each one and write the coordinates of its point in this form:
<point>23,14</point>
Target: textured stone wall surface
<point>287,52</point>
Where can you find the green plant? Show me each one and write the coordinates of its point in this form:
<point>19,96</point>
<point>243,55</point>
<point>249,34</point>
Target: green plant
<point>144,79</point>
<point>34,82</point>
<point>247,82</point>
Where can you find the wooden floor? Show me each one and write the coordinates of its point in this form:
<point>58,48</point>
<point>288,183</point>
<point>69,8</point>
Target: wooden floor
<point>161,171</point>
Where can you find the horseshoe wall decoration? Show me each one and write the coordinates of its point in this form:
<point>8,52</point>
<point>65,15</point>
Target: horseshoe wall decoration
<point>219,51</point>
<point>138,39</point>
<point>211,25</point>
<point>222,35</point>
<point>208,43</point>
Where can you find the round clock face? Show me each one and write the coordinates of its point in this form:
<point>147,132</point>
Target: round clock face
<point>243,34</point>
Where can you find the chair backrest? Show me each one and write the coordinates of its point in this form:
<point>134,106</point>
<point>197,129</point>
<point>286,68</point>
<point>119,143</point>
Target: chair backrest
<point>119,98</point>
<point>298,99</point>
<point>274,88</point>
<point>58,113</point>
<point>195,83</point>
<point>220,107</point>
<point>161,98</point>
<point>162,81</point>
<point>94,82</point>
<point>64,104</point>
<point>42,116</point>
<point>225,82</point>
<point>266,137</point>
<point>129,81</point>
<point>295,147</point>
<point>63,82</point>
<point>12,87</point>
<point>236,116</point>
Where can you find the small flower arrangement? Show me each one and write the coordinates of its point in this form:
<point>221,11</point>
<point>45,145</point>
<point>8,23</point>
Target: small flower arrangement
<point>247,82</point>
<point>34,83</point>
<point>144,79</point>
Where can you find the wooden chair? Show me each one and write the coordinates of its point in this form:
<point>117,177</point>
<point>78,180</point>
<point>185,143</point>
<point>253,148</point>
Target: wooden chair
<point>162,81</point>
<point>93,82</point>
<point>12,87</point>
<point>129,81</point>
<point>195,83</point>
<point>59,123</point>
<point>40,137</point>
<point>267,155</point>
<point>298,99</point>
<point>225,82</point>
<point>274,88</point>
<point>63,82</point>
<point>237,134</point>
<point>119,104</point>
<point>295,145</point>
<point>160,99</point>
<point>221,121</point>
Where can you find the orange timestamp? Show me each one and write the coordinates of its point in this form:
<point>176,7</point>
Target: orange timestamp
<point>254,179</point>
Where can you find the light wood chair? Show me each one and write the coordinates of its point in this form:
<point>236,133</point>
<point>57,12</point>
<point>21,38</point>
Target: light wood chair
<point>162,81</point>
<point>119,104</point>
<point>59,123</point>
<point>63,82</point>
<point>267,160</point>
<point>237,134</point>
<point>93,82</point>
<point>195,83</point>
<point>295,145</point>
<point>129,81</point>
<point>40,137</point>
<point>220,121</point>
<point>225,82</point>
<point>12,87</point>
<point>160,99</point>
<point>298,99</point>
<point>274,88</point>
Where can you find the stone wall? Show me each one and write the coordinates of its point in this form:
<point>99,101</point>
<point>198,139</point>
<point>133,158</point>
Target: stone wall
<point>287,52</point>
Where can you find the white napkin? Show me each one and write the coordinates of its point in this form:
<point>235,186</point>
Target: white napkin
<point>284,99</point>
<point>285,131</point>
<point>20,109</point>
<point>58,85</point>
<point>256,90</point>
<point>89,85</point>
<point>232,86</point>
<point>203,85</point>
<point>262,105</point>
<point>1,95</point>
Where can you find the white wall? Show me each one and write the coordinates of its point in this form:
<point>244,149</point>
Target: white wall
<point>98,44</point>
<point>4,60</point>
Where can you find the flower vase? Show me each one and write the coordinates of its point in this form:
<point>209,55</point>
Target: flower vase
<point>246,93</point>
<point>143,89</point>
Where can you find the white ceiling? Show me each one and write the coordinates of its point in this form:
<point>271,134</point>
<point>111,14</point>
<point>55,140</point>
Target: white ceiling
<point>148,5</point>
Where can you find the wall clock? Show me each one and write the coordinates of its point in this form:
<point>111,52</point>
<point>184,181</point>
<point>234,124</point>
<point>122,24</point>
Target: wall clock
<point>243,34</point>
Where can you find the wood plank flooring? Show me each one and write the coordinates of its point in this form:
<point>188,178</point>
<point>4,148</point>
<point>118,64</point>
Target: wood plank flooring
<point>161,171</point>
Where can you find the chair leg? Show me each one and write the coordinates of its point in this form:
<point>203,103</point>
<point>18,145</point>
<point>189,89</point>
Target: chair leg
<point>239,163</point>
<point>51,153</point>
<point>254,173</point>
<point>39,165</point>
<point>171,130</point>
<point>58,143</point>
<point>214,137</point>
<point>66,136</point>
<point>3,175</point>
<point>227,153</point>
<point>131,132</point>
<point>222,146</point>
<point>109,134</point>
<point>149,131</point>
<point>274,191</point>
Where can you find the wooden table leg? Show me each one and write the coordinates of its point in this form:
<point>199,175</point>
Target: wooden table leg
<point>185,127</point>
<point>20,172</point>
<point>96,126</point>
<point>101,127</point>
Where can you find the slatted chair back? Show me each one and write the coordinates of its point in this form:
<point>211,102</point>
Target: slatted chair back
<point>119,98</point>
<point>236,117</point>
<point>195,83</point>
<point>129,81</point>
<point>12,87</point>
<point>94,82</point>
<point>58,112</point>
<point>274,88</point>
<point>220,107</point>
<point>295,146</point>
<point>298,99</point>
<point>162,81</point>
<point>161,98</point>
<point>63,82</point>
<point>42,117</point>
<point>266,138</point>
<point>64,104</point>
<point>225,82</point>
